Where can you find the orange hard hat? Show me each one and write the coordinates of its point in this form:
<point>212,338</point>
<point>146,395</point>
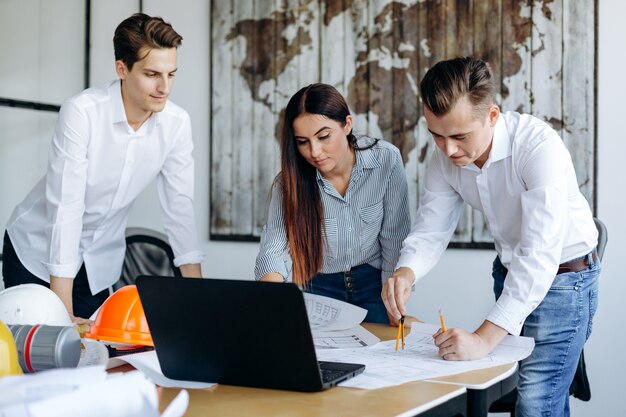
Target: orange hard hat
<point>121,319</point>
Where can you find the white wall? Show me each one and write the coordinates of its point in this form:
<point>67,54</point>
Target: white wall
<point>34,66</point>
<point>605,350</point>
<point>460,284</point>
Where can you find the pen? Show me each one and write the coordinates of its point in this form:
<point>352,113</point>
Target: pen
<point>443,323</point>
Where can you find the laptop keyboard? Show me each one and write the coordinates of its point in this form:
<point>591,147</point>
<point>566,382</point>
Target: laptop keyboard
<point>329,375</point>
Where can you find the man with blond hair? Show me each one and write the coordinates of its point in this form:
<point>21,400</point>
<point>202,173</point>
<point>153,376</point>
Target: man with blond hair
<point>515,169</point>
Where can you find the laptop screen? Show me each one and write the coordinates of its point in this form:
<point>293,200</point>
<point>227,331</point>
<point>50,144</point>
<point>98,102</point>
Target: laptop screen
<point>233,332</point>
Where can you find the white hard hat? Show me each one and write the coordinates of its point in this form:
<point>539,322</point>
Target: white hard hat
<point>32,304</point>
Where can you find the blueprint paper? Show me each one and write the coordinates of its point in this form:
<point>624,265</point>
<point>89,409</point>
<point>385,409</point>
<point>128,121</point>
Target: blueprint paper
<point>330,314</point>
<point>419,360</point>
<point>355,337</point>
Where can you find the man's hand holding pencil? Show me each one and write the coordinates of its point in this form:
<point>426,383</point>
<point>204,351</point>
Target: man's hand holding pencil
<point>396,292</point>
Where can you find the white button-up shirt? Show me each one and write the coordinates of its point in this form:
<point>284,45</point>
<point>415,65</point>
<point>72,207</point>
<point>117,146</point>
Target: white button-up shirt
<point>97,167</point>
<point>529,196</point>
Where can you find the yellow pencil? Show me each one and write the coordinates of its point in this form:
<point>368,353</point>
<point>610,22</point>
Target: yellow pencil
<point>443,323</point>
<point>398,336</point>
<point>400,333</point>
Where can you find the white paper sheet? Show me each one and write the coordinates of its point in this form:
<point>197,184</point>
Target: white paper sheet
<point>30,388</point>
<point>92,352</point>
<point>329,314</point>
<point>148,364</point>
<point>84,391</point>
<point>419,359</point>
<point>355,337</point>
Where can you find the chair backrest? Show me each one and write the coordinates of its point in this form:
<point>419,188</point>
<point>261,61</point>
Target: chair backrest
<point>602,236</point>
<point>147,253</point>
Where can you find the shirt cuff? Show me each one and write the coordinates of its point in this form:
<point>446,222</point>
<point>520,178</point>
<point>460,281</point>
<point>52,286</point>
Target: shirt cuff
<point>195,257</point>
<point>408,261</point>
<point>405,261</point>
<point>509,314</point>
<point>267,265</point>
<point>63,270</point>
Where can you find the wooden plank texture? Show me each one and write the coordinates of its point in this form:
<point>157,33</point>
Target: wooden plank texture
<point>578,91</point>
<point>376,52</point>
<point>222,72</point>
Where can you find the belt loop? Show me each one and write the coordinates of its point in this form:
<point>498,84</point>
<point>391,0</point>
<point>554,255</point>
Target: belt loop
<point>591,256</point>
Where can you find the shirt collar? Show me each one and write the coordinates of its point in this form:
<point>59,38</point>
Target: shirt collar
<point>117,105</point>
<point>118,113</point>
<point>365,159</point>
<point>501,144</point>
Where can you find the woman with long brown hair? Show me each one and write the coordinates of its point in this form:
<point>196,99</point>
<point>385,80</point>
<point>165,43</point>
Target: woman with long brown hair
<point>339,208</point>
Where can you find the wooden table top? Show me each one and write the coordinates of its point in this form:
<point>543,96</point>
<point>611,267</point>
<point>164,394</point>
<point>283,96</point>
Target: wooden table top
<point>226,400</point>
<point>409,398</point>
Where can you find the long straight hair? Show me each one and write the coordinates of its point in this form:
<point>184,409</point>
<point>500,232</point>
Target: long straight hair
<point>303,211</point>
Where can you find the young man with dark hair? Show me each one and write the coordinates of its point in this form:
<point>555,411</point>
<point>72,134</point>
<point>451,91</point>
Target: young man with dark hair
<point>515,169</point>
<point>109,144</point>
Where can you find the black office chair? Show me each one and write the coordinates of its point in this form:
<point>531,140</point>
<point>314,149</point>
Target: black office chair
<point>579,387</point>
<point>147,253</point>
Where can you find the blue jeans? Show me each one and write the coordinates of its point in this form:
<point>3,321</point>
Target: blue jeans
<point>360,286</point>
<point>560,326</point>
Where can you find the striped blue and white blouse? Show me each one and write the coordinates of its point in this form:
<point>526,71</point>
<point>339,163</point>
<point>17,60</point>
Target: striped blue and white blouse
<point>367,225</point>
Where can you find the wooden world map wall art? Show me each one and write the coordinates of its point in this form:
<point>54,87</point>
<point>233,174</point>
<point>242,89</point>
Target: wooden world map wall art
<point>543,54</point>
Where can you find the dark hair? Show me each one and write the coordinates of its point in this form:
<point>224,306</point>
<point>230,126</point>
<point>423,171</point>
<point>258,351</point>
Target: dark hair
<point>303,211</point>
<point>449,81</point>
<point>141,30</point>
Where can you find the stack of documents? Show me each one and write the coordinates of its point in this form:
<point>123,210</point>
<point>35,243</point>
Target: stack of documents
<point>419,360</point>
<point>336,324</point>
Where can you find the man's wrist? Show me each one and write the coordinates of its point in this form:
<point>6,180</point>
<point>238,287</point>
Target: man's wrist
<point>406,273</point>
<point>491,334</point>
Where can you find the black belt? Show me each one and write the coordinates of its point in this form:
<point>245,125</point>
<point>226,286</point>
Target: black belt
<point>577,265</point>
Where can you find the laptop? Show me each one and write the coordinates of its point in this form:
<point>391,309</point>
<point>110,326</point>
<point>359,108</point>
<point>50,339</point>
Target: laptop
<point>247,333</point>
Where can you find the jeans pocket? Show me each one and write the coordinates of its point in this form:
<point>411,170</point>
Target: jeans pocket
<point>567,281</point>
<point>560,312</point>
<point>593,305</point>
